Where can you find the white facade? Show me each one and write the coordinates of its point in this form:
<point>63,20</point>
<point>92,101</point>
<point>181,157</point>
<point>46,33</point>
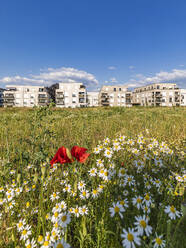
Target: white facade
<point>158,94</point>
<point>114,96</point>
<point>71,95</point>
<point>92,99</point>
<point>25,96</point>
<point>183,97</point>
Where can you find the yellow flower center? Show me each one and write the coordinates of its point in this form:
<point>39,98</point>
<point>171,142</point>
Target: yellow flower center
<point>172,209</point>
<point>63,218</point>
<point>54,195</point>
<point>56,214</point>
<point>147,198</point>
<point>122,172</point>
<point>129,179</point>
<point>29,246</point>
<point>20,224</point>
<point>40,238</point>
<point>76,210</point>
<point>143,223</point>
<point>122,203</point>
<point>59,246</point>
<point>130,237</point>
<point>116,209</point>
<point>46,243</point>
<point>95,191</point>
<point>54,234</point>
<point>84,193</point>
<point>158,241</point>
<point>24,232</point>
<point>138,200</point>
<point>56,225</point>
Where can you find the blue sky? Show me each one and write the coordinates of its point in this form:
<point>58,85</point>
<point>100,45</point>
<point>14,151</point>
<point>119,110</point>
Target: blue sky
<point>132,42</point>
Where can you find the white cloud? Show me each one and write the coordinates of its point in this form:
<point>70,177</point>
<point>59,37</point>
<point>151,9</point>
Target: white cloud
<point>51,75</point>
<point>175,76</point>
<point>113,80</point>
<point>112,68</point>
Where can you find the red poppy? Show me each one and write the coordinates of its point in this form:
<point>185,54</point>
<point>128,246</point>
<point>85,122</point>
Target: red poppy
<point>61,157</point>
<point>79,153</point>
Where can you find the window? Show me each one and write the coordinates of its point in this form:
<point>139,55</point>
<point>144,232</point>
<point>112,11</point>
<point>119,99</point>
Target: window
<point>170,99</point>
<point>114,89</point>
<point>73,95</point>
<point>158,86</point>
<point>41,89</point>
<point>119,89</point>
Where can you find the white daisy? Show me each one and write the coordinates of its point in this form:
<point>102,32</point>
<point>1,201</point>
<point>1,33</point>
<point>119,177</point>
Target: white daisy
<point>158,242</point>
<point>130,238</point>
<point>30,244</point>
<point>142,225</point>
<point>92,172</point>
<point>54,196</point>
<point>116,209</point>
<point>172,212</point>
<point>64,219</point>
<point>25,233</point>
<point>84,210</point>
<point>61,244</point>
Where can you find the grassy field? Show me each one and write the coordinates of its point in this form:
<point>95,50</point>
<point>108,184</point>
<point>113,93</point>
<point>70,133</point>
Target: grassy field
<point>23,131</point>
<point>29,138</point>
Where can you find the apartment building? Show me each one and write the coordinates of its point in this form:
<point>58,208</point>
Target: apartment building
<point>25,96</point>
<point>1,97</point>
<point>183,97</point>
<point>115,96</point>
<point>71,95</point>
<point>158,94</point>
<point>92,99</point>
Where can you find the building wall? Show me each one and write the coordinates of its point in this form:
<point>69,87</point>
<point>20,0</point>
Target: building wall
<point>92,99</point>
<point>183,97</point>
<point>25,96</point>
<point>164,94</point>
<point>114,96</point>
<point>1,97</point>
<point>71,95</point>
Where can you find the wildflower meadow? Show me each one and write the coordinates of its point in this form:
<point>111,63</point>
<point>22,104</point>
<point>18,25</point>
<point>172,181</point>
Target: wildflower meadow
<point>93,178</point>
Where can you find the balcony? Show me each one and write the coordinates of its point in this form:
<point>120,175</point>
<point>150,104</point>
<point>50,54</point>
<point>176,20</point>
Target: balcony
<point>60,102</point>
<point>42,96</point>
<point>60,96</point>
<point>9,96</point>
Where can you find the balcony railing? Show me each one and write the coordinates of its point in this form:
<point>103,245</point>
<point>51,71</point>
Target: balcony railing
<point>9,96</point>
